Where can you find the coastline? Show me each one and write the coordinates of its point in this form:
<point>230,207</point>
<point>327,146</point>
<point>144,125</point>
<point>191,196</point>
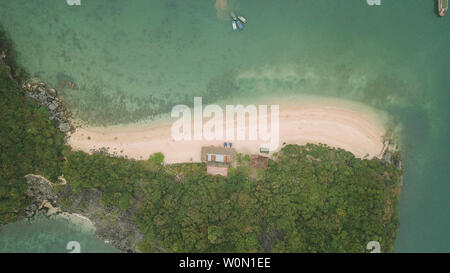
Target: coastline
<point>77,219</point>
<point>42,192</point>
<point>302,119</point>
<point>338,123</point>
<point>47,200</point>
<point>336,120</point>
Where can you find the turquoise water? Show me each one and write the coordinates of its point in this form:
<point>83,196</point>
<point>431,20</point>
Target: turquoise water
<point>136,59</point>
<point>49,236</point>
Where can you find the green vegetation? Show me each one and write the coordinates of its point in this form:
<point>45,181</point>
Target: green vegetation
<point>115,177</point>
<point>29,143</point>
<point>316,199</point>
<point>310,199</point>
<point>8,55</point>
<point>325,200</point>
<point>157,158</point>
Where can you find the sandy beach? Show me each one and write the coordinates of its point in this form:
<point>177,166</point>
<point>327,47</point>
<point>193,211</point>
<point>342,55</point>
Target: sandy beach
<point>78,219</point>
<point>337,123</point>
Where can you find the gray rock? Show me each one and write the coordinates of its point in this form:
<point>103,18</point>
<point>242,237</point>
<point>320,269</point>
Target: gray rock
<point>399,165</point>
<point>112,224</point>
<point>387,157</point>
<point>29,213</point>
<point>51,92</point>
<point>39,189</point>
<point>65,127</point>
<point>46,97</point>
<point>52,106</point>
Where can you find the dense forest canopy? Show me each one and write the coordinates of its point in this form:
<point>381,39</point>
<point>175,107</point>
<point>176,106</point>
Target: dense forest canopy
<point>29,143</point>
<point>310,199</point>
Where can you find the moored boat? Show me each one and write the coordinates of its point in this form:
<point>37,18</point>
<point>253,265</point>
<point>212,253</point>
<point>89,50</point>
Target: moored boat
<point>233,24</point>
<point>442,7</point>
<point>233,16</point>
<point>242,19</point>
<point>240,25</point>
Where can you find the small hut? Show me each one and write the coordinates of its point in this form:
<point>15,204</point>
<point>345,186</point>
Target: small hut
<point>218,159</point>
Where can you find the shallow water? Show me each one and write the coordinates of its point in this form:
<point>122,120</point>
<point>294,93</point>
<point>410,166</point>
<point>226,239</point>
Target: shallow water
<point>49,236</point>
<point>135,60</point>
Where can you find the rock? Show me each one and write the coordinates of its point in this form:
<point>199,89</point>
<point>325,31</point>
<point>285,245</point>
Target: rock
<point>101,150</point>
<point>52,106</point>
<point>29,213</point>
<point>40,191</point>
<point>387,157</point>
<point>50,209</point>
<point>65,127</point>
<point>46,97</point>
<point>51,92</point>
<point>399,165</point>
<point>37,182</point>
<point>112,224</point>
<point>3,54</point>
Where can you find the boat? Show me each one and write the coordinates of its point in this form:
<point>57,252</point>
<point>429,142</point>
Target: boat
<point>233,16</point>
<point>242,19</point>
<point>240,25</point>
<point>233,24</point>
<point>442,7</point>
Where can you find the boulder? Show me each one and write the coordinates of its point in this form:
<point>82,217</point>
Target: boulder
<point>39,189</point>
<point>387,157</point>
<point>65,127</point>
<point>52,106</point>
<point>51,92</point>
<point>50,209</point>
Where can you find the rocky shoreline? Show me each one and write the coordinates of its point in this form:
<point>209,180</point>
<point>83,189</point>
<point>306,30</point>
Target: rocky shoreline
<point>112,225</point>
<point>47,97</point>
<point>391,154</point>
<point>44,95</point>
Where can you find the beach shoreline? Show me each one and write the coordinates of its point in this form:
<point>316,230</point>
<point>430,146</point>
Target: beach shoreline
<point>77,219</point>
<point>335,122</point>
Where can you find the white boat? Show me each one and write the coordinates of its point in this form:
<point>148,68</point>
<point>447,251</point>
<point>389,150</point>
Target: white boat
<point>234,25</point>
<point>242,19</point>
<point>442,7</point>
<point>233,16</point>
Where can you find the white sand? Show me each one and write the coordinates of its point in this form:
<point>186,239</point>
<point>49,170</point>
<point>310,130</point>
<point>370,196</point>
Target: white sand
<point>337,123</point>
<point>78,219</point>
